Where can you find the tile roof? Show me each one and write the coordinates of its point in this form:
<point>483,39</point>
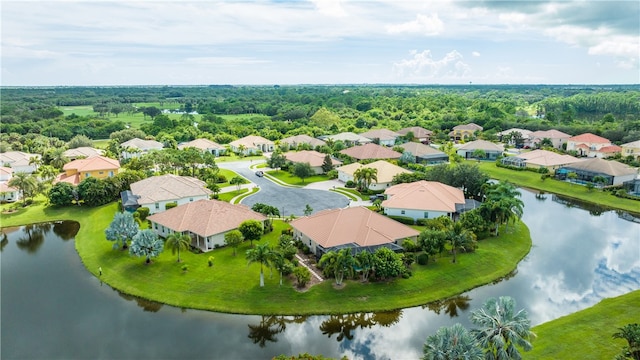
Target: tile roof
<point>589,138</point>
<point>524,132</point>
<point>302,139</point>
<point>419,149</point>
<point>358,225</point>
<point>547,158</point>
<point>168,187</point>
<point>549,134</point>
<point>371,151</point>
<point>349,136</point>
<point>17,158</point>
<point>633,144</point>
<point>469,126</point>
<point>424,195</point>
<point>137,143</point>
<point>83,151</point>
<point>382,134</point>
<point>6,170</point>
<point>417,131</point>
<point>314,158</point>
<point>4,187</point>
<point>607,167</point>
<point>95,163</point>
<point>610,149</point>
<point>250,141</point>
<point>386,170</point>
<point>205,217</point>
<point>202,144</point>
<point>481,145</point>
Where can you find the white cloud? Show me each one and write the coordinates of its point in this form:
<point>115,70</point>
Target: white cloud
<point>423,24</point>
<point>224,60</point>
<point>475,53</point>
<point>331,8</point>
<point>423,66</point>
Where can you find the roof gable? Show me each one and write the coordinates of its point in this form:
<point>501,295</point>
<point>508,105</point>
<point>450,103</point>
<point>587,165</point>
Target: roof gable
<point>202,144</point>
<point>386,170</point>
<point>590,138</point>
<point>607,167</point>
<point>481,145</point>
<point>94,163</point>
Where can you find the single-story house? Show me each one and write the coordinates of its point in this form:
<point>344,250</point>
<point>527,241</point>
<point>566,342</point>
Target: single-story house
<point>631,149</point>
<point>348,138</point>
<point>204,145</point>
<point>156,192</point>
<point>419,134</point>
<point>206,221</point>
<point>7,193</point>
<point>83,152</point>
<point>614,172</point>
<point>137,147</point>
<point>294,141</point>
<point>537,159</point>
<point>423,200</point>
<point>252,144</point>
<point>385,137</point>
<point>557,138</point>
<point>355,228</point>
<point>371,151</point>
<point>314,158</point>
<point>589,145</point>
<point>385,173</point>
<point>491,150</point>
<point>507,137</point>
<point>20,161</point>
<point>425,154</point>
<point>100,167</point>
<point>464,132</point>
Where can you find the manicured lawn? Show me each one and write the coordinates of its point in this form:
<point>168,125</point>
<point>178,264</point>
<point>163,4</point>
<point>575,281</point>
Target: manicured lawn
<point>587,334</point>
<point>532,180</point>
<point>290,179</point>
<point>353,192</point>
<point>230,195</point>
<point>232,286</point>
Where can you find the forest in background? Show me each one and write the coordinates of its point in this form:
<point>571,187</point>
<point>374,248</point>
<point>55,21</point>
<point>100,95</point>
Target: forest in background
<point>275,112</point>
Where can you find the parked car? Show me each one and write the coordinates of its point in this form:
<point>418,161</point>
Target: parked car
<point>259,173</point>
<point>376,197</point>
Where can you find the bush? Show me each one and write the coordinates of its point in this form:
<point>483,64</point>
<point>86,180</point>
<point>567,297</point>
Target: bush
<point>402,219</point>
<point>210,261</point>
<point>350,184</point>
<point>288,231</point>
<point>333,174</point>
<point>170,205</point>
<point>422,222</point>
<point>143,212</point>
<point>221,179</point>
<point>423,259</point>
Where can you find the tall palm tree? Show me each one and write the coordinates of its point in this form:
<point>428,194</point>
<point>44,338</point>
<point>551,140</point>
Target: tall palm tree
<point>279,262</point>
<point>631,333</point>
<point>57,158</point>
<point>261,254</point>
<point>460,237</point>
<point>339,263</point>
<point>25,183</point>
<point>452,343</point>
<point>502,330</point>
<point>502,204</point>
<point>177,242</point>
<point>364,176</point>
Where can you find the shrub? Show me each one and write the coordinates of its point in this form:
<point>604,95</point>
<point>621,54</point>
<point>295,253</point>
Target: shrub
<point>210,261</point>
<point>170,205</point>
<point>143,212</point>
<point>402,219</point>
<point>221,179</point>
<point>350,184</point>
<point>185,267</point>
<point>333,174</point>
<point>423,259</point>
<point>288,231</point>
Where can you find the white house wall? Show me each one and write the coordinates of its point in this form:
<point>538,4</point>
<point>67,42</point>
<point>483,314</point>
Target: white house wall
<point>618,180</point>
<point>162,204</point>
<point>414,214</point>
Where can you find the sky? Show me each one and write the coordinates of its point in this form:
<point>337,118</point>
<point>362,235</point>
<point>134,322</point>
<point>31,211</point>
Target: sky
<point>268,42</point>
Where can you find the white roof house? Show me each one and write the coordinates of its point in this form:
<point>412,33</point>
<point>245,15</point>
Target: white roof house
<point>157,191</point>
<point>83,152</point>
<point>137,147</point>
<point>204,145</point>
<point>252,144</point>
<point>385,173</point>
<point>19,161</point>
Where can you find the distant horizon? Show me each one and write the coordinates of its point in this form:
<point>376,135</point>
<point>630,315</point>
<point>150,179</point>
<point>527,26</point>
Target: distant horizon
<point>313,42</point>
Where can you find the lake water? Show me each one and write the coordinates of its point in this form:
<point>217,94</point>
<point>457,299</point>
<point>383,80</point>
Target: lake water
<point>52,308</point>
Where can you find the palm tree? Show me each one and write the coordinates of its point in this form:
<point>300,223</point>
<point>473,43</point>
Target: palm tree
<point>364,176</point>
<point>502,204</point>
<point>25,183</point>
<point>502,329</point>
<point>631,333</point>
<point>261,254</point>
<point>460,237</point>
<point>146,243</point>
<point>452,343</point>
<point>237,181</point>
<point>279,262</point>
<point>57,158</point>
<point>47,173</point>
<point>177,242</point>
<point>339,263</point>
<point>365,261</point>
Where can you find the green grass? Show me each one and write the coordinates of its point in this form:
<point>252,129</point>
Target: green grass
<point>586,334</point>
<point>356,194</point>
<point>230,195</point>
<point>232,286</point>
<point>532,180</point>
<point>293,180</point>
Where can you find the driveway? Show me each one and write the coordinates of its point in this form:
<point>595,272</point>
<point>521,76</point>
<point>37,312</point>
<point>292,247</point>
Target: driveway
<point>287,200</point>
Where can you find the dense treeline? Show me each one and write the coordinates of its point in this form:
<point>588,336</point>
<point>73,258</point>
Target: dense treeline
<point>611,111</point>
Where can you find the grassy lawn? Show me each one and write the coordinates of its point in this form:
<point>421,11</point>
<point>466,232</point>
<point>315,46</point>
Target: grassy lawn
<point>290,179</point>
<point>230,195</point>
<point>357,195</point>
<point>586,334</point>
<point>232,286</point>
<point>532,180</point>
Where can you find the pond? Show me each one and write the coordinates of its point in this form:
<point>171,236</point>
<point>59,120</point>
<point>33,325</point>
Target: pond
<point>52,308</point>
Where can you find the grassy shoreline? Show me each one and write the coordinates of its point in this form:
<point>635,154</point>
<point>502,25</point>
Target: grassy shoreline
<point>231,286</point>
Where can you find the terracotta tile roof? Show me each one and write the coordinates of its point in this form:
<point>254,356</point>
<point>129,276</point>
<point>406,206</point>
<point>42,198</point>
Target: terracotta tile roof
<point>417,131</point>
<point>371,151</point>
<point>358,225</point>
<point>547,158</point>
<point>386,170</point>
<point>250,141</point>
<point>71,179</point>
<point>302,139</point>
<point>589,138</point>
<point>423,195</point>
<point>83,151</point>
<point>469,126</point>
<point>481,145</point>
<point>205,217</point>
<point>607,167</point>
<point>382,134</point>
<point>549,134</point>
<point>582,146</point>
<point>610,149</point>
<point>95,163</point>
<point>202,144</point>
<point>419,149</point>
<point>168,187</point>
<point>137,143</point>
<point>314,158</point>
<point>4,187</point>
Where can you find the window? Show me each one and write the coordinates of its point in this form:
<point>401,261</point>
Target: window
<point>190,199</point>
<point>426,214</point>
<point>87,175</point>
<point>402,212</point>
<point>155,226</point>
<point>157,206</point>
<point>101,172</point>
<point>110,173</point>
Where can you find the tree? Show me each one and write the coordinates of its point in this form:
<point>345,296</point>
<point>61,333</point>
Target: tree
<point>237,181</point>
<point>279,262</point>
<point>502,330</point>
<point>25,183</point>
<point>302,170</point>
<point>94,192</point>
<point>502,204</point>
<point>327,164</point>
<point>233,238</point>
<point>277,160</point>
<point>302,274</point>
<point>572,176</point>
<point>177,241</point>
<point>261,254</point>
<point>61,194</point>
<point>407,158</point>
<point>308,210</point>
<point>452,343</point>
<point>630,333</point>
<point>387,264</point>
<point>339,263</point>
<point>79,141</point>
<point>251,230</point>
<point>459,237</point>
<point>146,243</point>
<point>432,241</point>
<point>57,159</point>
<point>364,176</point>
<point>122,228</point>
<point>365,261</point>
<point>479,154</point>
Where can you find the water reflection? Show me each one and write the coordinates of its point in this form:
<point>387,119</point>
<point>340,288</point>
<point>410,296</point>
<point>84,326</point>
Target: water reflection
<point>344,325</point>
<point>270,326</point>
<point>450,306</point>
<point>32,237</point>
<point>146,305</point>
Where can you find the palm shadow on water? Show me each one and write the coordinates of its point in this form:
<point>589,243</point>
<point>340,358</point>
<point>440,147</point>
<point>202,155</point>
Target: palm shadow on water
<point>344,325</point>
<point>450,306</point>
<point>33,238</point>
<point>270,326</point>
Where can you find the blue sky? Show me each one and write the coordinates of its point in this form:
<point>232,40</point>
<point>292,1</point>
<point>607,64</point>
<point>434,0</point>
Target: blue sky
<point>319,42</point>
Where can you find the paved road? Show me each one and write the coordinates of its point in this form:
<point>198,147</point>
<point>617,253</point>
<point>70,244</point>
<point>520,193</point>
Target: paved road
<point>286,199</point>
